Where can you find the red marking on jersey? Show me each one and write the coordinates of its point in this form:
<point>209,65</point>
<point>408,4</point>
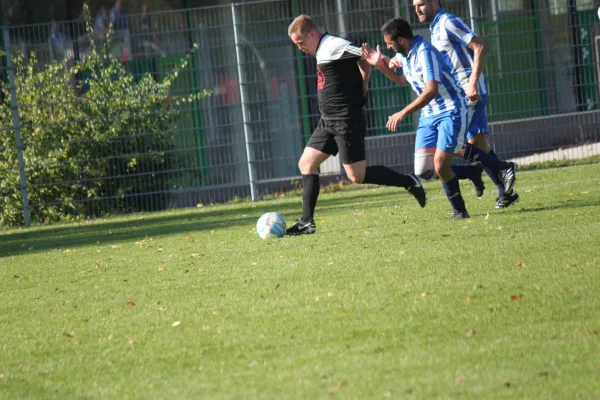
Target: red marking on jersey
<point>320,79</point>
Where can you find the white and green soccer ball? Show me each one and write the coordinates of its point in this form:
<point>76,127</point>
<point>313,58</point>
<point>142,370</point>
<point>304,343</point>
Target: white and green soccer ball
<point>271,225</point>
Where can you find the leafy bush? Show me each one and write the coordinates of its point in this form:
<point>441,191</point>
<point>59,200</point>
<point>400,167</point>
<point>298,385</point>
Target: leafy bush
<point>92,146</point>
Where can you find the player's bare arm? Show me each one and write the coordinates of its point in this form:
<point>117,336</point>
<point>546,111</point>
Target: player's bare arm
<point>480,51</point>
<point>382,63</point>
<point>365,71</point>
<point>431,91</point>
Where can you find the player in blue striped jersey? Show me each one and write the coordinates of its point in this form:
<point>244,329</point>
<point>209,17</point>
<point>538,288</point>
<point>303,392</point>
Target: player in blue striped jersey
<point>466,52</point>
<point>442,102</point>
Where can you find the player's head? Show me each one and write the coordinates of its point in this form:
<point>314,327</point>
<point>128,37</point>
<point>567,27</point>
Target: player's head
<point>426,9</point>
<point>305,34</point>
<point>397,35</point>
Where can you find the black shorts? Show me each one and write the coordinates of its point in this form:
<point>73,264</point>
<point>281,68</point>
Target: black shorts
<point>346,136</point>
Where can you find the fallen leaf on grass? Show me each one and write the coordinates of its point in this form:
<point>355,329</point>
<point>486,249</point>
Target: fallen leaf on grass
<point>24,365</point>
<point>130,303</point>
<point>342,383</point>
<point>516,296</point>
<point>131,342</point>
<point>70,335</point>
<point>521,265</point>
<point>506,383</point>
<point>161,268</point>
<point>470,332</point>
<point>163,309</point>
<point>176,323</point>
<point>460,379</point>
<point>445,235</point>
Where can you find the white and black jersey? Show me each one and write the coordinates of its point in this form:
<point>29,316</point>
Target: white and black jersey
<point>339,81</point>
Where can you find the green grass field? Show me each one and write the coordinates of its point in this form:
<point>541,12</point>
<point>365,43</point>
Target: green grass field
<point>387,300</point>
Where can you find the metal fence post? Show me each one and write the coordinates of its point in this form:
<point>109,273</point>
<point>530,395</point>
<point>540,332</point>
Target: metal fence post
<point>245,116</point>
<point>16,121</point>
<point>472,16</point>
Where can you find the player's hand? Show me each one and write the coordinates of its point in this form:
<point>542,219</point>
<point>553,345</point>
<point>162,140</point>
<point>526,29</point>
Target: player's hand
<point>393,120</point>
<point>373,57</point>
<point>473,93</point>
<point>394,63</point>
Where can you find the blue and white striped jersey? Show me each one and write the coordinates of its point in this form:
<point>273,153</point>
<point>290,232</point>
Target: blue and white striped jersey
<point>423,64</point>
<point>451,36</point>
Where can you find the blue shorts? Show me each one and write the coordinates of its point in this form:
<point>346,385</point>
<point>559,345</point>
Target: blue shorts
<point>444,131</point>
<point>478,118</point>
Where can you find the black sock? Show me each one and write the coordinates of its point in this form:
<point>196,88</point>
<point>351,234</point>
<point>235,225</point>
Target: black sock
<point>494,177</point>
<point>452,189</point>
<point>382,175</point>
<point>489,160</point>
<point>463,171</point>
<point>310,193</point>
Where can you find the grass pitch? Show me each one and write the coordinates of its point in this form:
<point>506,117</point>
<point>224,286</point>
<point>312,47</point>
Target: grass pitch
<point>386,300</point>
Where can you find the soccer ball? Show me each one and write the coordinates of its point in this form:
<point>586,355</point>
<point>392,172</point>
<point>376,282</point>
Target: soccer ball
<point>271,225</point>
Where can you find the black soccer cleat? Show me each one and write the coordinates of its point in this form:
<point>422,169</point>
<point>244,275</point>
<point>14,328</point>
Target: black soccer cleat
<point>417,190</point>
<point>302,228</point>
<point>507,176</point>
<point>505,201</point>
<point>477,181</point>
<point>456,215</point>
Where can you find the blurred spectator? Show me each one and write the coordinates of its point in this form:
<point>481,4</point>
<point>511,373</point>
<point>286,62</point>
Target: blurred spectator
<point>147,26</point>
<point>118,17</point>
<point>101,24</point>
<point>149,36</point>
<point>60,42</point>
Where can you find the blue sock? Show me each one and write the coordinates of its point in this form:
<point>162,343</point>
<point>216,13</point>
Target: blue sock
<point>452,189</point>
<point>494,177</point>
<point>488,160</point>
<point>463,171</point>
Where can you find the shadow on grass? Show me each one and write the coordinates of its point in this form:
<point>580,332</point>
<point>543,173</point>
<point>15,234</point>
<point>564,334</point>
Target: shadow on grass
<point>572,203</point>
<point>138,226</point>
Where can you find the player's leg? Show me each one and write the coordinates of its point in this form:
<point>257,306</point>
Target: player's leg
<point>505,171</point>
<point>319,147</point>
<point>451,130</point>
<point>350,139</point>
<point>477,136</point>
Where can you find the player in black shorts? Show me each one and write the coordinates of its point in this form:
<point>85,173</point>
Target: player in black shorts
<point>342,81</point>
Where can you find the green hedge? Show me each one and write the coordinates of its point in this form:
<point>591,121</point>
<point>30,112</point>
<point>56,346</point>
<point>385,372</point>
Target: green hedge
<point>94,145</point>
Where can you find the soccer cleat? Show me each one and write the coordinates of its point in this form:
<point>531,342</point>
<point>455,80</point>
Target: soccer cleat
<point>417,190</point>
<point>505,201</point>
<point>477,181</point>
<point>507,176</point>
<point>302,228</point>
<point>460,215</point>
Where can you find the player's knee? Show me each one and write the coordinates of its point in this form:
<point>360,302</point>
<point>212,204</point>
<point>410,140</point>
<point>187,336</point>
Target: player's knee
<point>356,178</point>
<point>306,166</point>
<point>424,166</point>
<point>439,166</point>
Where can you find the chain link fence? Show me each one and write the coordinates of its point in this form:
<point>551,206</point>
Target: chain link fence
<point>244,140</point>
